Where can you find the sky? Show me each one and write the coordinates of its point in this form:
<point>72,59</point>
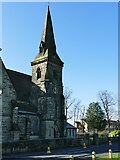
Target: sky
<point>86,36</point>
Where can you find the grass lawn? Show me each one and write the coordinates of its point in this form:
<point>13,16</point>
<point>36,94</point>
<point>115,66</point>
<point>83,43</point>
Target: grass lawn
<point>115,156</point>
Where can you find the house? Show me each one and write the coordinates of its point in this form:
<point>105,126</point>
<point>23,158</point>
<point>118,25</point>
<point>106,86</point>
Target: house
<point>71,131</point>
<point>114,125</point>
<point>82,126</point>
<point>33,105</point>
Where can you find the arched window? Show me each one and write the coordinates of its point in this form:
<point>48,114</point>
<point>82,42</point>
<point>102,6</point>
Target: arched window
<point>38,73</point>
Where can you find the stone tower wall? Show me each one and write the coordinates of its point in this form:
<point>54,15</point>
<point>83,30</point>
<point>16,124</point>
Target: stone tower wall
<point>48,97</point>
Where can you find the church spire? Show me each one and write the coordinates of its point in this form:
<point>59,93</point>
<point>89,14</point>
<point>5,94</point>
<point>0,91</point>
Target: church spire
<point>47,40</point>
<point>47,48</point>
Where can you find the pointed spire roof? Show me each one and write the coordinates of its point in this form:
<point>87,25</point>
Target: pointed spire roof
<point>47,41</point>
<point>47,48</point>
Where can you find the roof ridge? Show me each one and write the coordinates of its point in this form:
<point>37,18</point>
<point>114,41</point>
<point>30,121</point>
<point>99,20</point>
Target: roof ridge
<point>18,72</point>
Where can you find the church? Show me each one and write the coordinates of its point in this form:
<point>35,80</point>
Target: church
<point>33,106</point>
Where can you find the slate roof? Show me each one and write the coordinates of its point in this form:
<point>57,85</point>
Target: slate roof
<point>24,107</point>
<point>70,126</point>
<point>22,84</point>
<point>47,48</point>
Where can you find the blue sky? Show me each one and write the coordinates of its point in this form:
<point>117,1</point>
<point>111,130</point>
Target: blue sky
<point>86,36</point>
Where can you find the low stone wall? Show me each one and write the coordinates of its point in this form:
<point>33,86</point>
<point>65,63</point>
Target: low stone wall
<point>41,145</point>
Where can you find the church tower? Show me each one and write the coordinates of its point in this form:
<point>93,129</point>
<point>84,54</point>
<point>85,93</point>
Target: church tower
<point>47,87</point>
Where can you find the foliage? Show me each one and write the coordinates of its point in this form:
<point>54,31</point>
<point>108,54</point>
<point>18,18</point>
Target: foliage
<point>115,156</point>
<point>114,133</point>
<point>95,117</point>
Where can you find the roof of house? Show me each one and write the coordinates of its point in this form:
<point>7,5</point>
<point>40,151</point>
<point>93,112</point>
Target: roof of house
<point>70,126</point>
<point>22,84</point>
<point>114,121</point>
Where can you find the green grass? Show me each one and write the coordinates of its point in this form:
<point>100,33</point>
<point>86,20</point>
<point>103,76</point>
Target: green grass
<point>115,156</point>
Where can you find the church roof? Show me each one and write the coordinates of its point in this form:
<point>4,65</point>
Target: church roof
<point>47,48</point>
<point>22,84</point>
<point>24,107</point>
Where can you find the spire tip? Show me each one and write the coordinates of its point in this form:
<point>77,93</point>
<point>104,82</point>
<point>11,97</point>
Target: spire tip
<point>48,4</point>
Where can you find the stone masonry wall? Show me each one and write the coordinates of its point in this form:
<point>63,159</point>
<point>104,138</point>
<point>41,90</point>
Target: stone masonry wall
<point>47,95</point>
<point>28,124</point>
<point>41,145</point>
<point>8,94</point>
<point>0,105</point>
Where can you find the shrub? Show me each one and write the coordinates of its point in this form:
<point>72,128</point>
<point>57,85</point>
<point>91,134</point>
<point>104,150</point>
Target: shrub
<point>114,133</point>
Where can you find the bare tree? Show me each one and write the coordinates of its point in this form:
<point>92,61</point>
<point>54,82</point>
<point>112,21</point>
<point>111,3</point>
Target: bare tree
<point>69,102</point>
<point>79,111</point>
<point>107,101</point>
<point>76,109</point>
<point>80,116</point>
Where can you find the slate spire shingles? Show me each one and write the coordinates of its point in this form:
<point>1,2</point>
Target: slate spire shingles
<point>47,40</point>
<point>47,48</point>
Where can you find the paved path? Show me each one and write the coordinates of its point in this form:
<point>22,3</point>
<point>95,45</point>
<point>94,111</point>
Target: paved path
<point>66,153</point>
